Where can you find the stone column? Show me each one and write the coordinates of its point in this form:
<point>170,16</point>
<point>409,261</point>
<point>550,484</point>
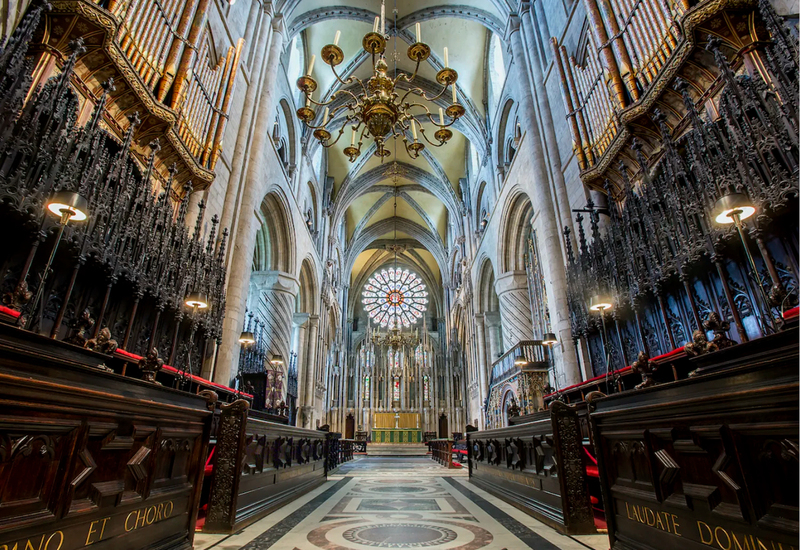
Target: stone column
<point>563,211</point>
<point>251,100</point>
<point>483,378</point>
<point>275,293</point>
<point>299,329</point>
<point>243,245</point>
<point>515,307</point>
<point>534,178</point>
<point>493,332</point>
<point>309,367</point>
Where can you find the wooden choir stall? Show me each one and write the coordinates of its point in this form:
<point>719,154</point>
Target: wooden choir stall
<point>111,434</point>
<point>682,291</point>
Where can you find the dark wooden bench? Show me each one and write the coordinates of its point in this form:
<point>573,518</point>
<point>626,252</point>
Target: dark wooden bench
<point>258,466</point>
<point>539,467</point>
<point>89,456</point>
<point>710,461</point>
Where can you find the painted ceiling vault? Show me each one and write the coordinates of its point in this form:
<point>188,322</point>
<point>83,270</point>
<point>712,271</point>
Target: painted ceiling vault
<point>410,202</point>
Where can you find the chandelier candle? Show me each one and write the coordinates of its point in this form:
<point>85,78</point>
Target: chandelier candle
<point>377,105</point>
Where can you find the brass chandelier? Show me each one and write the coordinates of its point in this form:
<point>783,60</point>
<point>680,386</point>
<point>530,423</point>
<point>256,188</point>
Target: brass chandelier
<point>377,110</point>
<point>394,338</point>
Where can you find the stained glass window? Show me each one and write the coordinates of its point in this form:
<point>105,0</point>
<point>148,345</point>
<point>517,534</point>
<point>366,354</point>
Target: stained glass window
<point>426,395</point>
<point>395,298</point>
<point>366,388</point>
<point>396,390</point>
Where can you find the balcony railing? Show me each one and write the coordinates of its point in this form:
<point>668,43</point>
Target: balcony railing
<point>536,354</point>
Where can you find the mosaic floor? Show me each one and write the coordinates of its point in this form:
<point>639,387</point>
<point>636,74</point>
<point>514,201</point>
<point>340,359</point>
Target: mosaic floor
<point>408,502</point>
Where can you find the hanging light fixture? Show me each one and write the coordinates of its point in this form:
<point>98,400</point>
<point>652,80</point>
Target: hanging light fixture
<point>375,109</point>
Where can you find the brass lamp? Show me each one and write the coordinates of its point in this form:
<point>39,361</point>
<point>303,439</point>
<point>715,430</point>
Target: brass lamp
<point>600,302</point>
<point>735,208</point>
<point>277,359</point>
<point>246,338</point>
<point>520,360</point>
<point>732,206</point>
<point>549,339</point>
<point>68,206</point>
<point>196,300</point>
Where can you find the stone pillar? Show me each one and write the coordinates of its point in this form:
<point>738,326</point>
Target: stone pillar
<point>243,246</point>
<point>534,178</point>
<point>515,307</point>
<point>309,367</point>
<point>563,211</point>
<point>251,100</point>
<point>273,296</point>
<point>300,328</point>
<point>480,337</point>
<point>494,337</point>
<point>194,210</point>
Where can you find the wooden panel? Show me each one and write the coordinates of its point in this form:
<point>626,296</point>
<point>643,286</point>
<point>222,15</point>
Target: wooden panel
<point>706,462</point>
<point>89,457</point>
<point>259,466</point>
<point>538,467</point>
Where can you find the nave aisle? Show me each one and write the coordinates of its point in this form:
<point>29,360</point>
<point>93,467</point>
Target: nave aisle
<point>404,502</point>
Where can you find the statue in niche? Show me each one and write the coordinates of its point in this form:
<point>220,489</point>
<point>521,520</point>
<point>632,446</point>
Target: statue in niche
<point>513,408</point>
<point>646,368</point>
<point>699,344</point>
<point>103,343</point>
<point>714,323</point>
<point>82,324</point>
<point>150,365</point>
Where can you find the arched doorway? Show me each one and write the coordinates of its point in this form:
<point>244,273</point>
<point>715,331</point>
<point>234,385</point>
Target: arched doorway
<point>443,429</point>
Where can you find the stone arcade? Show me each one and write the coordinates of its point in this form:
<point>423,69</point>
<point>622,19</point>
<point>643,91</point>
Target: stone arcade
<point>452,274</point>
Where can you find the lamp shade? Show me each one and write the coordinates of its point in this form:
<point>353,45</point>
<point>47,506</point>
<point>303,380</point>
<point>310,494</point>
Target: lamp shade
<point>520,360</point>
<point>549,339</point>
<point>600,302</point>
<point>247,338</point>
<point>197,299</point>
<point>68,203</point>
<point>277,359</point>
<point>732,204</point>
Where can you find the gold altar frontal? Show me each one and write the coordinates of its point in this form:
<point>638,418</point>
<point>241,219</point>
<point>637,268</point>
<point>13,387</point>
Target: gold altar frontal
<point>396,435</point>
<point>392,427</point>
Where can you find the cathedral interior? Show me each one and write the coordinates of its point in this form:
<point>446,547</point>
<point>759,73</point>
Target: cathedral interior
<point>449,274</point>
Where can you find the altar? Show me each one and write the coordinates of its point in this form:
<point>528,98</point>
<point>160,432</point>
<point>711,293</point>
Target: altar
<point>396,435</point>
<point>396,427</point>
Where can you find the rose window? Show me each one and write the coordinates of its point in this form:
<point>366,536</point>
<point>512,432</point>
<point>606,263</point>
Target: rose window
<point>395,298</point>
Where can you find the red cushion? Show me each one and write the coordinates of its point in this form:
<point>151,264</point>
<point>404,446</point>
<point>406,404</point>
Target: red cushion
<point>10,312</point>
<point>133,357</point>
<point>594,500</point>
<point>791,313</point>
<point>592,471</point>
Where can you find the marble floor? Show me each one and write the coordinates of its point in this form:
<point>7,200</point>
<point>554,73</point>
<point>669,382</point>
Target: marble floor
<point>404,502</point>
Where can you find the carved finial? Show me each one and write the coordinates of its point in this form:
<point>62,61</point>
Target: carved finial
<point>77,46</point>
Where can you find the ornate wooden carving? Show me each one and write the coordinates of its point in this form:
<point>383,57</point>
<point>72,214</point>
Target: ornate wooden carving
<point>132,263</point>
<point>88,456</point>
<point>538,467</point>
<point>259,466</point>
<point>707,461</point>
<point>162,60</point>
<point>663,258</point>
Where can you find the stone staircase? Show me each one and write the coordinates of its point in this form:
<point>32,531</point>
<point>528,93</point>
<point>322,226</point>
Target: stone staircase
<point>397,449</point>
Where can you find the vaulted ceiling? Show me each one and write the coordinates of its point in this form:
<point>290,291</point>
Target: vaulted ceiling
<point>399,198</point>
